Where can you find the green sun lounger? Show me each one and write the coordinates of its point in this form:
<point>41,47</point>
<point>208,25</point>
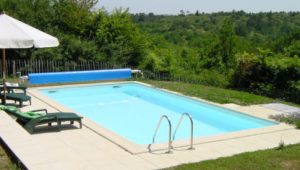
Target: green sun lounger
<point>16,96</point>
<point>30,120</point>
<point>20,97</point>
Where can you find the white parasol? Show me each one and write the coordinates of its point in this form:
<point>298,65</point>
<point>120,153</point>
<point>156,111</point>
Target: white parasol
<point>15,34</point>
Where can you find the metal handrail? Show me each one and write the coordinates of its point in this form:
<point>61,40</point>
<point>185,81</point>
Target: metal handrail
<point>156,130</point>
<point>192,128</point>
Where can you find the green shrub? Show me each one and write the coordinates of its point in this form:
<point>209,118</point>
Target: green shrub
<point>281,145</point>
<point>276,76</point>
<point>205,77</point>
<point>291,118</point>
<point>298,124</point>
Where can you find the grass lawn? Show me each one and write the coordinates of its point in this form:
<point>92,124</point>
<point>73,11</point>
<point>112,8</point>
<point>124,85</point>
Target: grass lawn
<point>281,159</point>
<point>213,94</point>
<point>5,162</point>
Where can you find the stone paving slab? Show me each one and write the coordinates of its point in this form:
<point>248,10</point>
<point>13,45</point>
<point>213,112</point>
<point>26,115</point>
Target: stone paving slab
<point>282,108</point>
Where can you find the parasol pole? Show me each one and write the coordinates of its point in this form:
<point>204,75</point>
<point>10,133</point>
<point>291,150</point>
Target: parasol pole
<point>3,72</point>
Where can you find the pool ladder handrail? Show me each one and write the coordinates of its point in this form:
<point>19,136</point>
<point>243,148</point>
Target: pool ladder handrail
<point>192,128</point>
<point>170,132</point>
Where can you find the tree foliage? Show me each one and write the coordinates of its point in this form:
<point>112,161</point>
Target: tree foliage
<point>84,34</point>
<point>257,52</point>
<point>253,52</point>
<point>119,39</point>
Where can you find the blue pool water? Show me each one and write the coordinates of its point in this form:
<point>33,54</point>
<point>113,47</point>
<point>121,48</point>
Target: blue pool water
<point>133,111</point>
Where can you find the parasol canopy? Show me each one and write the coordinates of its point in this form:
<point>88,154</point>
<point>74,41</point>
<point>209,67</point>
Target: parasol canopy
<point>15,34</point>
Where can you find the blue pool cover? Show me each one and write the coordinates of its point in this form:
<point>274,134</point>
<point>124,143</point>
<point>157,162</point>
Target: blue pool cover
<point>78,76</point>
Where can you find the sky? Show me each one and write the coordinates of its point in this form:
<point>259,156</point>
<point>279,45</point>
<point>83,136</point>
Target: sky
<point>207,6</point>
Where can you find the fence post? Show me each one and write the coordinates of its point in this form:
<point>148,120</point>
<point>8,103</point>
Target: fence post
<point>66,67</point>
<point>39,66</point>
<point>74,66</point>
<point>14,68</point>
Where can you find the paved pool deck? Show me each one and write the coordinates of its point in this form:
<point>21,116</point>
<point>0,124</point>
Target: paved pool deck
<point>74,148</point>
<point>285,109</point>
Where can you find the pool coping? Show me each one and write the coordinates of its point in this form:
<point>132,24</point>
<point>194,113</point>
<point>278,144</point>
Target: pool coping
<point>134,148</point>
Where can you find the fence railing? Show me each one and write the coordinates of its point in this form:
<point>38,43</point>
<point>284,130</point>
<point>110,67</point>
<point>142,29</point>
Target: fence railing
<point>40,66</point>
<point>162,76</point>
<point>25,66</point>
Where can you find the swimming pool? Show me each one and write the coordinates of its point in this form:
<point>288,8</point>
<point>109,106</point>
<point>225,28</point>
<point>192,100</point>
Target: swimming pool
<point>133,110</point>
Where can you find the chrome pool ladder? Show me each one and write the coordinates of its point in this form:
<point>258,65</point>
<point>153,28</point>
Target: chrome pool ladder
<point>170,132</point>
<point>192,128</point>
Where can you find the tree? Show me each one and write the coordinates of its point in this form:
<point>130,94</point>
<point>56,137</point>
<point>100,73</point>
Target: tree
<point>73,16</point>
<point>119,39</point>
<point>227,42</point>
<point>182,13</point>
<point>222,53</point>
